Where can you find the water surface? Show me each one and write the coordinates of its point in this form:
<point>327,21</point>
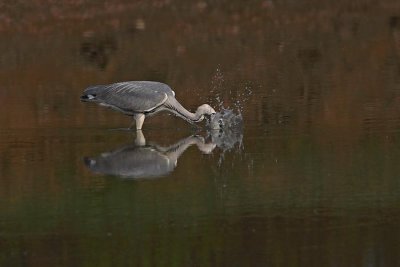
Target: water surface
<point>314,180</point>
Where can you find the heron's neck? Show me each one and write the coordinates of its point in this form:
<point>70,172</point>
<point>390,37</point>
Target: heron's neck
<point>174,152</point>
<point>180,111</point>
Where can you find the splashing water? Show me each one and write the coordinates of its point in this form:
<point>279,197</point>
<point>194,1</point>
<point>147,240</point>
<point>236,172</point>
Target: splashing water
<point>226,119</point>
<point>226,126</point>
<point>226,129</point>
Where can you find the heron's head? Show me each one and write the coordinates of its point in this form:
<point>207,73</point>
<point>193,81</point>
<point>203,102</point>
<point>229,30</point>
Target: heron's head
<point>206,109</point>
<point>90,163</point>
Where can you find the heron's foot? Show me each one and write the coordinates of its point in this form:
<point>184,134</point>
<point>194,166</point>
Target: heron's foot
<point>140,140</point>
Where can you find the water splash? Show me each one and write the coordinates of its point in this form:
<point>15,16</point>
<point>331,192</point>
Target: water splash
<point>242,97</point>
<point>226,120</point>
<point>226,126</point>
<point>234,98</point>
<point>226,131</point>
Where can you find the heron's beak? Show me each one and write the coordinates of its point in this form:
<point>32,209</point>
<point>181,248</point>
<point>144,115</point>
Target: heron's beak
<point>88,98</point>
<point>89,162</point>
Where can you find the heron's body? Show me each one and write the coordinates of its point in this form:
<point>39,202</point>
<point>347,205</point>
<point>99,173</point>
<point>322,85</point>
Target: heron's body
<point>141,99</point>
<point>140,160</point>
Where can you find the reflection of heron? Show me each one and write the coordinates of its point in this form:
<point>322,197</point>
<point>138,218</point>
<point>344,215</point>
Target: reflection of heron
<point>144,161</point>
<point>141,99</point>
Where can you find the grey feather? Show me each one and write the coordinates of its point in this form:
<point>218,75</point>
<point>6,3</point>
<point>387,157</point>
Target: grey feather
<point>130,97</point>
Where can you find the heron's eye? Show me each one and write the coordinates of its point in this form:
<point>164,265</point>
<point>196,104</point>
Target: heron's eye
<point>90,96</point>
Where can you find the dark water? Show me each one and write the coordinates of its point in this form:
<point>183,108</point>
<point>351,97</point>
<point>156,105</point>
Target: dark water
<point>314,180</point>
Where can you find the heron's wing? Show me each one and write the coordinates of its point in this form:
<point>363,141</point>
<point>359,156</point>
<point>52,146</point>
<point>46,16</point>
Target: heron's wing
<point>161,87</point>
<point>130,96</point>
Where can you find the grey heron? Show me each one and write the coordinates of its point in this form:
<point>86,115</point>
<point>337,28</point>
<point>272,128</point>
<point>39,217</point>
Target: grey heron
<point>141,160</point>
<point>141,99</point>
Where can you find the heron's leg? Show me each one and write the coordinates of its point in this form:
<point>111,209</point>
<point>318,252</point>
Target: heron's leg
<point>140,140</point>
<point>139,118</point>
<point>131,126</point>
